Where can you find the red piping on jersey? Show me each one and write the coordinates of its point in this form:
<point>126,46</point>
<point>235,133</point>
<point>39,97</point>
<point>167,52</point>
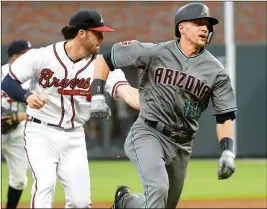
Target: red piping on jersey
<point>25,142</point>
<point>72,100</point>
<point>13,75</point>
<point>66,75</point>
<point>116,85</point>
<point>73,111</point>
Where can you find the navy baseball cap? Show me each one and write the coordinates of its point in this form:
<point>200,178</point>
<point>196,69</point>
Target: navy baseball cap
<point>18,47</point>
<point>89,20</point>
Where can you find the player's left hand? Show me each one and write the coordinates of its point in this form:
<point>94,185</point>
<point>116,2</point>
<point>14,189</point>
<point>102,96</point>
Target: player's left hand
<point>226,166</point>
<point>9,120</point>
<point>99,108</point>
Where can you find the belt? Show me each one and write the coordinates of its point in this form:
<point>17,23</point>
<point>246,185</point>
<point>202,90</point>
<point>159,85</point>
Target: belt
<point>35,120</point>
<point>177,137</point>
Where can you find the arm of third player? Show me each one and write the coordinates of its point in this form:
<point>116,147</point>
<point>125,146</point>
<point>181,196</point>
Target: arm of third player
<point>129,94</point>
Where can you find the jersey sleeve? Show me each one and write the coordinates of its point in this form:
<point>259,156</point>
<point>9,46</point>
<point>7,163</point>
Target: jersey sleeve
<point>115,79</point>
<point>4,70</point>
<point>26,66</point>
<point>131,54</point>
<point>223,97</point>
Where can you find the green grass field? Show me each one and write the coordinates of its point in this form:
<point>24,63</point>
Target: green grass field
<point>249,181</point>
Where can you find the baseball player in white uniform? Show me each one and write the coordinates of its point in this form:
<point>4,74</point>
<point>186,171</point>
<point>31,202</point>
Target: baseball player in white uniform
<point>58,106</point>
<point>12,140</point>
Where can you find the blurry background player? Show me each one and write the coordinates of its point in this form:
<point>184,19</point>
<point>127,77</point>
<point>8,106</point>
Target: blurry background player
<point>12,125</point>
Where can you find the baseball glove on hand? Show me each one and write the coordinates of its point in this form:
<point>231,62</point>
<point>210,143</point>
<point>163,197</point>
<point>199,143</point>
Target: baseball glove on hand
<point>9,120</point>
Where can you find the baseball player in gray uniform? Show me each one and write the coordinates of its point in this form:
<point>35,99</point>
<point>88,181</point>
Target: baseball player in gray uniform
<point>178,80</point>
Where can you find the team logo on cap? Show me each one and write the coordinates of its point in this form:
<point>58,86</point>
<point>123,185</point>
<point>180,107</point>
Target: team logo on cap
<point>101,20</point>
<point>29,44</point>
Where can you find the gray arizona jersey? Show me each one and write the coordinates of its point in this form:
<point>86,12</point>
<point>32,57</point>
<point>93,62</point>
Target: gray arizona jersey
<point>176,89</point>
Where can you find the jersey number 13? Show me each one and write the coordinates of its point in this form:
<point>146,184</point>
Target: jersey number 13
<point>191,110</point>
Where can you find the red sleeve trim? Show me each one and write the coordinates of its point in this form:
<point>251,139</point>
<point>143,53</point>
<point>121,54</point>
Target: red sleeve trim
<point>116,85</point>
<point>13,75</point>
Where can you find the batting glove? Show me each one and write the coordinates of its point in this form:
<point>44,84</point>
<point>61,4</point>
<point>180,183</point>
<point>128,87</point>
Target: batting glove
<point>226,166</point>
<point>99,108</point>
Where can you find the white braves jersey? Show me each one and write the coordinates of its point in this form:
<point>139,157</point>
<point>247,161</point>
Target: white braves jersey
<point>65,83</point>
<point>7,102</point>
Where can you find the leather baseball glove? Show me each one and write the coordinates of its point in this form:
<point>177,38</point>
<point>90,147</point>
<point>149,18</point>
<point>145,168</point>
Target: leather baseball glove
<point>9,120</point>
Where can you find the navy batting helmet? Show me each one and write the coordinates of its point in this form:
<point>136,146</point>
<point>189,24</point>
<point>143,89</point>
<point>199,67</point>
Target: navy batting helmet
<point>193,11</point>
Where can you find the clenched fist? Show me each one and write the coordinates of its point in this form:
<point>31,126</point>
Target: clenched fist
<point>99,108</point>
<point>36,101</point>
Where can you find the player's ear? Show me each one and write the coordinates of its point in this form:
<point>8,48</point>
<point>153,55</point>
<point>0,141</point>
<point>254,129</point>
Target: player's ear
<point>82,34</point>
<point>181,28</point>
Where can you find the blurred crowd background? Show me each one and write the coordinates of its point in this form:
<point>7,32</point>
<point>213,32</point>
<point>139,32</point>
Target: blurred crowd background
<point>41,23</point>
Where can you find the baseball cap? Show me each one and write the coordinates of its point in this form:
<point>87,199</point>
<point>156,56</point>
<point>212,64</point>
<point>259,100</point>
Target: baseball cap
<point>89,20</point>
<point>18,47</point>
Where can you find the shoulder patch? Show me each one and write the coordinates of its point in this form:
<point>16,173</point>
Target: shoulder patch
<point>126,43</point>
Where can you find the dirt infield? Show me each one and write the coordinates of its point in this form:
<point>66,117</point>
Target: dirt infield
<point>242,203</point>
<point>256,203</point>
<point>210,204</point>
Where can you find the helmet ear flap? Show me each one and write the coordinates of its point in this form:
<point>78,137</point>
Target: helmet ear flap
<point>211,33</point>
<point>210,37</point>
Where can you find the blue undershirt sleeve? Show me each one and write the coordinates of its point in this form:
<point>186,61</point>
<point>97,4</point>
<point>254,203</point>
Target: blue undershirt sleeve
<point>13,88</point>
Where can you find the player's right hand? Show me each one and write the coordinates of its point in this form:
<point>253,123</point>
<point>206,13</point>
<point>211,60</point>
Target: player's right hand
<point>36,101</point>
<point>99,108</point>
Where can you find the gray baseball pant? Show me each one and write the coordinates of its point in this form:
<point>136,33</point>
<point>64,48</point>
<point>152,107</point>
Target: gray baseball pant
<point>161,165</point>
